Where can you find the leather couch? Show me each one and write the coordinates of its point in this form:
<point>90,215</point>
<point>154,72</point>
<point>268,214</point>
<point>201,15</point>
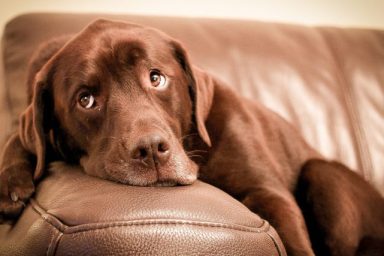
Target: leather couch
<point>329,82</point>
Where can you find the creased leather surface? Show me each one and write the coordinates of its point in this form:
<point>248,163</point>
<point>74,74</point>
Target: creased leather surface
<point>74,214</point>
<point>328,82</point>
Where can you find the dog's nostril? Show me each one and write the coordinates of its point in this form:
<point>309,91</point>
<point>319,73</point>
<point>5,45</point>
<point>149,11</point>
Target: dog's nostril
<point>143,153</point>
<point>162,147</point>
<point>140,153</point>
<point>151,150</point>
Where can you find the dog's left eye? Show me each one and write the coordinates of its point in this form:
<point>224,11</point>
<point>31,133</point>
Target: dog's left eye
<point>86,100</point>
<point>158,80</point>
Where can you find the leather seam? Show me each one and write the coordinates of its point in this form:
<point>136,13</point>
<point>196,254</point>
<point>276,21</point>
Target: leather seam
<point>50,246</point>
<point>276,244</point>
<point>56,237</point>
<point>51,250</point>
<point>65,229</point>
<point>352,113</point>
<point>166,222</point>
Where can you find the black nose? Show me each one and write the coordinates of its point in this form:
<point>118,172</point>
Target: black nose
<point>151,150</point>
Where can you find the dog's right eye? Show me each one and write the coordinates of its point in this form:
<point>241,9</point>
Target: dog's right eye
<point>158,80</point>
<point>86,100</point>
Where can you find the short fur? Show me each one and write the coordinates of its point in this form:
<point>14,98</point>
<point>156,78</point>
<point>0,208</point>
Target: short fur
<point>139,134</point>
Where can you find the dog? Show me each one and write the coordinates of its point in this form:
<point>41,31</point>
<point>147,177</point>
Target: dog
<point>124,102</point>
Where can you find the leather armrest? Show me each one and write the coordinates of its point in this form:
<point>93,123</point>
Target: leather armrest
<point>74,214</point>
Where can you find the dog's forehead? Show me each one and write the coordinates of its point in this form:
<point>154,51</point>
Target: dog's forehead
<point>111,40</point>
<point>105,33</point>
<point>112,50</point>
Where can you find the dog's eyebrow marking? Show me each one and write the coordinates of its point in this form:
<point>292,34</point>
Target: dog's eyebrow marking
<point>119,55</point>
<point>128,52</point>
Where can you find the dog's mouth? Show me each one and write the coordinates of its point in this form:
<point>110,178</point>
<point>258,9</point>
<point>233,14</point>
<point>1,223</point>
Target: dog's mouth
<point>151,179</point>
<point>178,172</point>
<point>166,183</point>
<point>161,178</point>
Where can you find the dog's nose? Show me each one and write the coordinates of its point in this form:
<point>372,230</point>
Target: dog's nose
<point>151,150</point>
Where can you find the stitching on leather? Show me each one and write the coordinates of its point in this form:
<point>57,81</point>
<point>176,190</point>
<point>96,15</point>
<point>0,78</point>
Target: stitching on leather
<point>64,229</point>
<point>353,115</point>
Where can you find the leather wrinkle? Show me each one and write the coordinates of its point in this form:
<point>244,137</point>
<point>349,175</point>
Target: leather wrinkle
<point>358,133</point>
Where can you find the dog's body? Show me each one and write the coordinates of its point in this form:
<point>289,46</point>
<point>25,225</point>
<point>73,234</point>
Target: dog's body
<point>124,102</point>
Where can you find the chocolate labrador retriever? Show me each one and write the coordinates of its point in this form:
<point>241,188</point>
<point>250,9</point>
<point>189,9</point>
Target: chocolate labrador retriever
<point>124,102</point>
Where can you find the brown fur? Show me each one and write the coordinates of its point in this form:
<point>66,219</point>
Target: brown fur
<point>142,135</point>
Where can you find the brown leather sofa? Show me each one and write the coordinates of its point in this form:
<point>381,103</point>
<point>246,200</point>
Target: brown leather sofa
<point>329,82</point>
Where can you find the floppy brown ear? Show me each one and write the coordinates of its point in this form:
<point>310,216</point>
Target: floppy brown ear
<point>34,121</point>
<point>201,91</point>
<point>32,127</point>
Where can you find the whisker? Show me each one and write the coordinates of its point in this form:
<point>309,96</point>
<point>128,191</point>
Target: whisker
<point>188,135</point>
<point>197,151</point>
<point>197,156</point>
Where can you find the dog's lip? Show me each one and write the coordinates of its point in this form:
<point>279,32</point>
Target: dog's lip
<point>157,181</point>
<point>164,183</point>
<point>177,173</point>
<point>171,182</point>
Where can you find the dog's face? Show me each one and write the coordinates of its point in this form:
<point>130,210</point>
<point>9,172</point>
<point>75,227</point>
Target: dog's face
<point>119,98</point>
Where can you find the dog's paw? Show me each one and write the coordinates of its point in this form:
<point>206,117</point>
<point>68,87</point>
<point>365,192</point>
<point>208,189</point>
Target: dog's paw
<point>16,187</point>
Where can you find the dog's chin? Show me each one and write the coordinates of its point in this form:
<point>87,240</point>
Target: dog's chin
<point>168,183</point>
<point>152,178</point>
<point>155,182</point>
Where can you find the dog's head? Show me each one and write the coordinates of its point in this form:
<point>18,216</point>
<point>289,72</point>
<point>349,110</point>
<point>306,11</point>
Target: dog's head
<point>119,98</point>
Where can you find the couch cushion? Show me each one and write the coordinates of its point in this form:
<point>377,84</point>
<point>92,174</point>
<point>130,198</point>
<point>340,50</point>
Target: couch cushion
<point>74,214</point>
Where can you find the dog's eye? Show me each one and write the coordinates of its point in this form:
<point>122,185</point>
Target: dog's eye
<point>86,100</point>
<point>158,80</point>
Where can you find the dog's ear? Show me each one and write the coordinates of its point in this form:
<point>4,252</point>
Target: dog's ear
<point>34,126</point>
<point>201,87</point>
<point>35,121</point>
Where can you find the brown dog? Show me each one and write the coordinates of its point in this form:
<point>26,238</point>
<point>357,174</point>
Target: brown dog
<point>124,102</point>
